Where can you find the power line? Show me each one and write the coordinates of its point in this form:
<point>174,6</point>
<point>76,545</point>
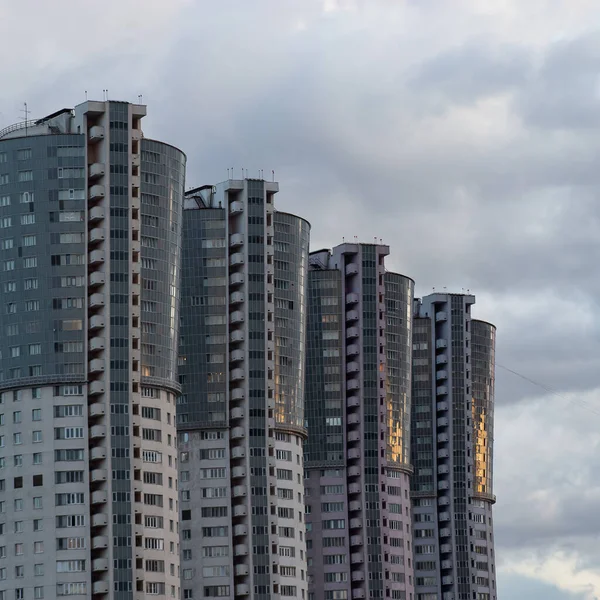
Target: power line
<point>586,405</point>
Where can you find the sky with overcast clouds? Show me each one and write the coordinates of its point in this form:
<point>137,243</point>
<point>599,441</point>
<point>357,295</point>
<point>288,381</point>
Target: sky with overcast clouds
<point>463,133</point>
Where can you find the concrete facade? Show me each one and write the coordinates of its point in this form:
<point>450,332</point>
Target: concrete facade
<point>452,426</point>
<point>357,459</point>
<point>89,493</point>
<point>241,412</point>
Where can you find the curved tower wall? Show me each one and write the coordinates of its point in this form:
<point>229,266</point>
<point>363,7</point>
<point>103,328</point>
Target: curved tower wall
<point>483,343</point>
<point>93,466</point>
<point>240,416</point>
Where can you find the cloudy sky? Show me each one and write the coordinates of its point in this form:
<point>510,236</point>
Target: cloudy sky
<point>461,132</point>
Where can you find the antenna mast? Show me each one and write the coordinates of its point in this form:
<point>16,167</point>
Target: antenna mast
<point>26,112</point>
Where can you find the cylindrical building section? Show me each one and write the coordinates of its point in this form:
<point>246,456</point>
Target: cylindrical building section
<point>399,294</point>
<point>291,273</point>
<point>483,344</point>
<point>44,438</point>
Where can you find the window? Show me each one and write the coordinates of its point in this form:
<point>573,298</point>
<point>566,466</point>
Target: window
<point>37,436</point>
<point>9,265</point>
<point>17,438</point>
<point>28,219</point>
<point>37,502</point>
<point>36,414</point>
<point>25,175</point>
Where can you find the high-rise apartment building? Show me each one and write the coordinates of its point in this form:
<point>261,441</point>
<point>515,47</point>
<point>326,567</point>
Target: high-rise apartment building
<point>90,217</point>
<point>357,457</point>
<point>452,445</point>
<point>241,413</point>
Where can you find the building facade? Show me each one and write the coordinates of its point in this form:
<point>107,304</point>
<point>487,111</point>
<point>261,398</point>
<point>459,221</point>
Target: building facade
<point>357,457</point>
<point>241,412</point>
<point>90,216</point>
<point>452,446</point>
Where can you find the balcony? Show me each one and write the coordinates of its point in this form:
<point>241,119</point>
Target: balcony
<point>444,453</point>
<point>99,497</point>
<point>443,501</point>
<point>441,344</point>
<point>240,530</point>
<point>240,510</point>
<point>236,413</point>
<point>236,208</point>
<point>356,523</point>
<point>354,436</point>
<point>352,315</point>
<point>240,550</point>
<point>96,322</point>
<point>96,344</point>
<point>354,488</point>
<point>354,454</point>
<point>443,438</point>
<point>357,559</point>
<point>96,170</point>
<point>97,409</point>
<point>352,350</point>
<point>442,406</point>
<point>237,355</point>
<point>97,235</point>
<point>96,192</point>
<point>97,257</point>
<point>95,388</point>
<point>100,587</point>
<point>447,580</point>
<point>352,367</point>
<point>99,541</point>
<point>358,593</point>
<point>238,472</point>
<point>100,564</point>
<point>441,375</point>
<point>358,576</point>
<point>97,278</point>
<point>242,589</point>
<point>445,548</point>
<point>236,279</point>
<point>100,520</point>
<point>96,134</point>
<point>443,485</point>
<point>98,432</point>
<point>236,239</point>
<point>241,570</point>
<point>442,359</point>
<point>236,316</point>
<point>96,365</point>
<point>441,316</point>
<point>356,540</point>
<point>237,375</point>
<point>237,433</point>
<point>352,298</point>
<point>238,393</point>
<point>236,298</point>
<point>239,491</point>
<point>354,505</point>
<point>443,470</point>
<point>352,269</point>
<point>98,452</point>
<point>353,402</point>
<point>96,213</point>
<point>443,517</point>
<point>442,390</point>
<point>352,384</point>
<point>96,300</point>
<point>443,422</point>
<point>446,564</point>
<point>353,472</point>
<point>236,336</point>
<point>352,332</point>
<point>236,259</point>
<point>353,420</point>
<point>98,475</point>
<point>445,532</point>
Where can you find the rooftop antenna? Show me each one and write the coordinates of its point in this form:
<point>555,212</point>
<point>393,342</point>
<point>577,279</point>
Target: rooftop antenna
<point>26,112</point>
<point>227,173</point>
<point>103,94</point>
<point>86,95</point>
<point>273,172</point>
<point>140,98</point>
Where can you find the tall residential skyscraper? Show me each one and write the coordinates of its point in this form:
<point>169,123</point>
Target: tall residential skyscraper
<point>357,457</point>
<point>90,216</point>
<point>453,407</point>
<point>241,413</point>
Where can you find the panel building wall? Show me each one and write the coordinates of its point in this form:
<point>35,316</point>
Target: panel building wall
<point>357,459</point>
<point>77,498</point>
<point>453,379</point>
<point>241,413</point>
